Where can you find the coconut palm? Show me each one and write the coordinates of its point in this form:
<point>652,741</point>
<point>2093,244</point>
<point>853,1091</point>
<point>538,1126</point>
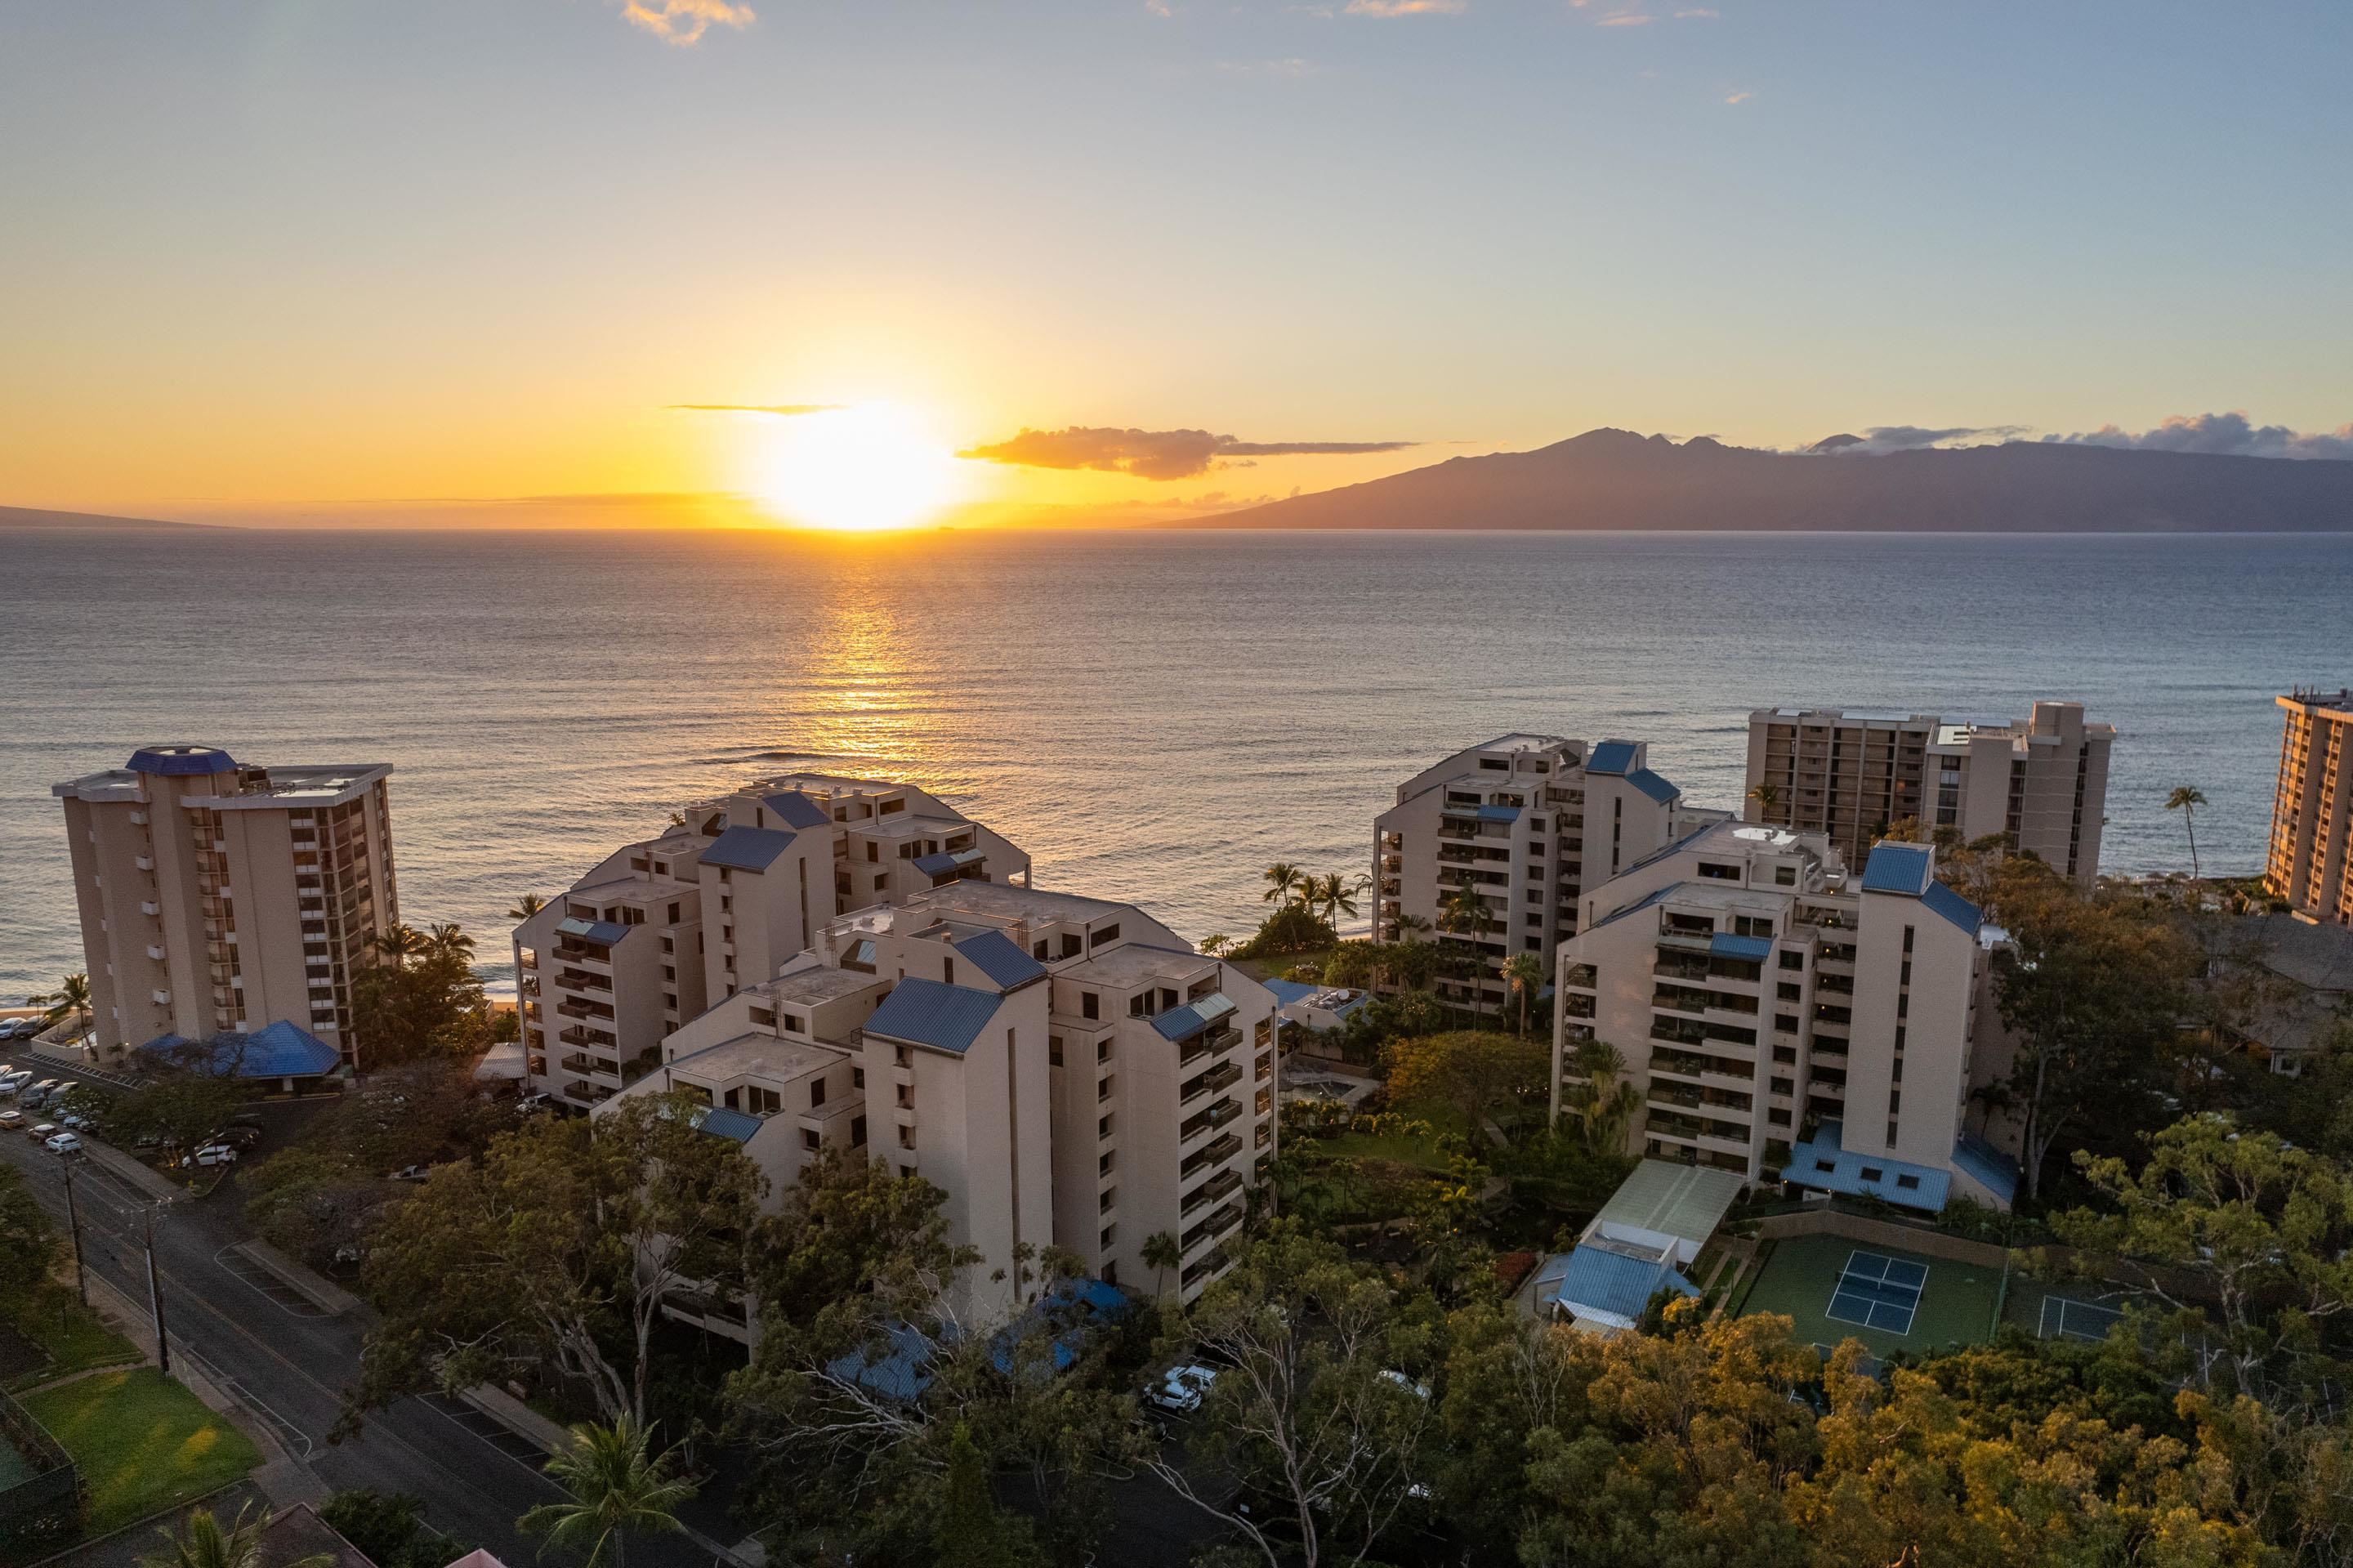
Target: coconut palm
<point>1161,1253</point>
<point>448,937</point>
<point>1333,895</point>
<point>620,1486</point>
<point>1216,945</point>
<point>1605,1101</point>
<point>529,904</point>
<point>1767,795</point>
<point>202,1542</point>
<point>70,1000</point>
<point>1283,880</point>
<point>2186,799</point>
<point>401,943</point>
<point>1524,974</point>
<point>1409,925</point>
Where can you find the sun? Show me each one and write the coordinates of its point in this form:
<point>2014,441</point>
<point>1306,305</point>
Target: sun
<point>859,469</point>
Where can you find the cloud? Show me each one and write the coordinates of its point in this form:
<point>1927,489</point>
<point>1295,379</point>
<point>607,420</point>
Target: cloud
<point>1152,454</point>
<point>1743,96</point>
<point>683,22</point>
<point>1405,7</point>
<point>2232,434</point>
<point>786,409</point>
<point>1292,66</point>
<point>1159,8</point>
<point>1881,439</point>
<point>1625,20</point>
<point>1698,13</point>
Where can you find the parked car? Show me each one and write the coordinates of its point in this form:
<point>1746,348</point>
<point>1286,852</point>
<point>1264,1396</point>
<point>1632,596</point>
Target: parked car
<point>79,1121</point>
<point>10,1120</point>
<point>1179,1390</point>
<point>20,1029</point>
<point>46,1131</point>
<point>40,1091</point>
<point>63,1143</point>
<point>215,1154</point>
<point>237,1137</point>
<point>412,1173</point>
<point>246,1119</point>
<point>530,1103</point>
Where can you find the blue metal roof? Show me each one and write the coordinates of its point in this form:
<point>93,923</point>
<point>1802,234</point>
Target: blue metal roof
<point>1071,1309</point>
<point>796,810</point>
<point>1499,813</point>
<point>747,848</point>
<point>995,955</point>
<point>1986,1166</point>
<point>1825,1163</point>
<point>935,864</point>
<point>279,1050</point>
<point>898,1368</point>
<point>1953,908</point>
<point>1606,1281</point>
<point>1656,788</point>
<point>1184,1023</point>
<point>182,761</point>
<point>1610,756</point>
<point>1751,949</point>
<point>603,933</point>
<point>1897,868</point>
<point>721,1122</point>
<point>947,1017</point>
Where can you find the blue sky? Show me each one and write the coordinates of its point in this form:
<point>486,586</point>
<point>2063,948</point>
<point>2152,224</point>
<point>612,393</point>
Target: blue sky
<point>319,249</point>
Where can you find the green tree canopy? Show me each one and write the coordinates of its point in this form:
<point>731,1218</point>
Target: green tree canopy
<point>1473,1074</point>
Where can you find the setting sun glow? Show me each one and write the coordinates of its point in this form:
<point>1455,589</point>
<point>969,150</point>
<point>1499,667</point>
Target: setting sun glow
<point>855,470</point>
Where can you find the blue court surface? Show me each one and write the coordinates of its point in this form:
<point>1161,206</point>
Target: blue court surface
<point>1882,1293</point>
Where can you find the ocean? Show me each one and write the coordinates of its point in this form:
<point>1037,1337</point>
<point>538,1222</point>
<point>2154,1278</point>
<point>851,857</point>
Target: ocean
<point>1154,715</point>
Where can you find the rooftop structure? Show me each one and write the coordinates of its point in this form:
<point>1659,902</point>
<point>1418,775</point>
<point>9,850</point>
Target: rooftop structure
<point>2309,861</point>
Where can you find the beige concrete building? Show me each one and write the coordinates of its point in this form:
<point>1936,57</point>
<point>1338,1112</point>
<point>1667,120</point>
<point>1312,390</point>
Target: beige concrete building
<point>216,896</point>
<point>1067,1070</point>
<point>1779,1015</point>
<point>1526,822</point>
<point>2041,783</point>
<point>2309,863</point>
<point>661,928</point>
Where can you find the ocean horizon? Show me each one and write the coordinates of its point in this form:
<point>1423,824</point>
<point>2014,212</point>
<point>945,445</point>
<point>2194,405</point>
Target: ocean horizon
<point>1154,714</point>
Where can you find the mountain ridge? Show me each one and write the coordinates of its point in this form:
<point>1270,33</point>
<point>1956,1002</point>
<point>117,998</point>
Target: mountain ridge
<point>1620,480</point>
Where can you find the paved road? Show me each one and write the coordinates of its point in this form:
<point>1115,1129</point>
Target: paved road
<point>289,1363</point>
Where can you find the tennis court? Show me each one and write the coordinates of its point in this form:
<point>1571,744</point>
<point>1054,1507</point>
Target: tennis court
<point>1878,1292</point>
<point>2062,1318</point>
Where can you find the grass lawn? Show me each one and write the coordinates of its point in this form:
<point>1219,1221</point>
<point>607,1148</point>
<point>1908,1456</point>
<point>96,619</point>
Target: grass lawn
<point>1957,1302</point>
<point>74,1336</point>
<point>1280,964</point>
<point>1420,1152</point>
<point>140,1441</point>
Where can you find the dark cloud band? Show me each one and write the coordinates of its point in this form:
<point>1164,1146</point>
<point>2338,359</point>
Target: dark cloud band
<point>1152,454</point>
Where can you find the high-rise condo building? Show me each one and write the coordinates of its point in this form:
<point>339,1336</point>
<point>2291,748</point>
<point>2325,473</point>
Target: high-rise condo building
<point>2310,860</point>
<point>734,890</point>
<point>1524,823</point>
<point>1067,1070</point>
<point>1776,1014</point>
<point>2041,783</point>
<point>220,896</point>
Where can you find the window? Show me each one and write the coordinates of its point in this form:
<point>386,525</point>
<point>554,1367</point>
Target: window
<point>1778,1117</point>
<point>1107,936</point>
<point>873,853</point>
<point>1103,1049</point>
<point>1785,876</point>
<point>1053,1050</point>
<point>857,1078</point>
<point>906,1137</point>
<point>1890,1132</point>
<point>1873,1173</point>
<point>858,1132</point>
<point>1108,1232</point>
<point>808,1137</point>
<point>1103,1128</point>
<point>1072,944</point>
<point>1908,1183</point>
<point>817,1093</point>
<point>670,1002</point>
<point>1826,1166</point>
<point>1717,872</point>
<point>1102,1089</point>
<point>673,912</point>
<point>793,1020</point>
<point>1089,1004</point>
<point>1106,1199</point>
<point>948,970</point>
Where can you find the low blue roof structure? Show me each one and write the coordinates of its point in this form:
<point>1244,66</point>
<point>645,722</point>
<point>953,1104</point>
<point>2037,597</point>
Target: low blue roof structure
<point>747,848</point>
<point>1612,1283</point>
<point>898,1370</point>
<point>1610,756</point>
<point>279,1050</point>
<point>925,1012</point>
<point>603,933</point>
<point>1750,949</point>
<point>1194,1017</point>
<point>1656,788</point>
<point>1825,1163</point>
<point>1499,813</point>
<point>796,810</point>
<point>1071,1309</point>
<point>995,956</point>
<point>182,761</point>
<point>1986,1166</point>
<point>733,1125</point>
<point>944,862</point>
<point>1898,868</point>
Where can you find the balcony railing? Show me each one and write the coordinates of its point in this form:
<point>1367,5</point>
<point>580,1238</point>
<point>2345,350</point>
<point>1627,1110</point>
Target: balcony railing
<point>1211,1153</point>
<point>581,979</point>
<point>578,1063</point>
<point>1220,1076</point>
<point>1216,1225</point>
<point>1208,1044</point>
<point>573,1007</point>
<point>1215,1188</point>
<point>575,1035</point>
<point>1216,1115</point>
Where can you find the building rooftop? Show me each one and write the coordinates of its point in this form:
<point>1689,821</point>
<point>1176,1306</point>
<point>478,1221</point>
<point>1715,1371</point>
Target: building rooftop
<point>796,810</point>
<point>925,1012</point>
<point>1130,962</point>
<point>747,849</point>
<point>993,954</point>
<point>813,986</point>
<point>326,783</point>
<point>279,1050</point>
<point>1686,1201</point>
<point>1825,1163</point>
<point>1006,901</point>
<point>635,886</point>
<point>756,1054</point>
<point>1610,756</point>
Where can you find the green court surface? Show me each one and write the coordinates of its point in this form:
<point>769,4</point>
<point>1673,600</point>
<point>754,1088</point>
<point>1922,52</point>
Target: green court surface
<point>1955,1302</point>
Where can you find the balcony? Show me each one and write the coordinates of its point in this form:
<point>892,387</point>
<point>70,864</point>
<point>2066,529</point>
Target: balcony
<point>1216,1116</point>
<point>1223,1075</point>
<point>1209,1044</point>
<point>587,1094</point>
<point>581,979</point>
<point>574,952</point>
<point>1209,1154</point>
<point>1206,1268</point>
<point>1212,1228</point>
<point>1215,1188</point>
<point>575,1035</point>
<point>578,1063</point>
<point>573,1007</point>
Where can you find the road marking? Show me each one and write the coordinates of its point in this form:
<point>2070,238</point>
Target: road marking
<point>283,1296</point>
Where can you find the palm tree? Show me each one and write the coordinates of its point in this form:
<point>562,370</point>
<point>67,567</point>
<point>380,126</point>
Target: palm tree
<point>1767,797</point>
<point>618,1485</point>
<point>1215,945</point>
<point>1161,1254</point>
<point>529,904</point>
<point>1604,1102</point>
<point>401,943</point>
<point>448,937</point>
<point>1524,974</point>
<point>201,1542</point>
<point>70,1000</point>
<point>1464,913</point>
<point>1408,924</point>
<point>1331,894</point>
<point>2186,799</point>
<point>1282,879</point>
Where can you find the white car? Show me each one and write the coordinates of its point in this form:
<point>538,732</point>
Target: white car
<point>10,1120</point>
<point>63,1143</point>
<point>215,1154</point>
<point>46,1131</point>
<point>1179,1390</point>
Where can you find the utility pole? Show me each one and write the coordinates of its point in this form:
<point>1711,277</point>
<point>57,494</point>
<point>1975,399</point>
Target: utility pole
<point>156,1300</point>
<point>73,1222</point>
